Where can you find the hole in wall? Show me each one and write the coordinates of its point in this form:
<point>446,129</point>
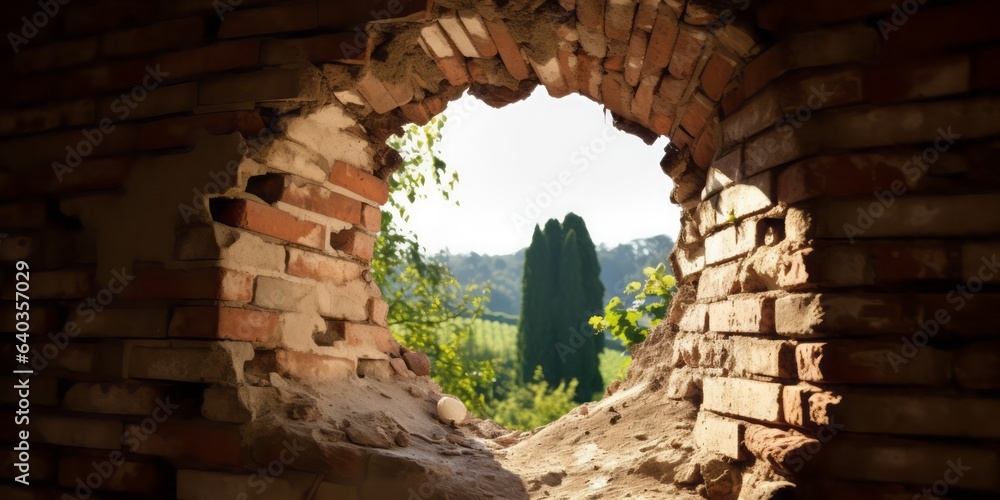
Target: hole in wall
<point>525,166</point>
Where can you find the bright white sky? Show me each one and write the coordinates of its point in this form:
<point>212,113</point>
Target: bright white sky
<point>539,159</point>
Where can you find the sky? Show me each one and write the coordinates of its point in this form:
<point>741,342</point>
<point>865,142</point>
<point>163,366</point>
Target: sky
<point>538,159</point>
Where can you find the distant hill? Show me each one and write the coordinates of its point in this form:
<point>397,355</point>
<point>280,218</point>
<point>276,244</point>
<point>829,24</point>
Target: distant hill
<point>619,266</point>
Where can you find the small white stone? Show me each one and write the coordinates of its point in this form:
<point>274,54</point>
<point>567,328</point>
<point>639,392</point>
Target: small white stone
<point>451,410</point>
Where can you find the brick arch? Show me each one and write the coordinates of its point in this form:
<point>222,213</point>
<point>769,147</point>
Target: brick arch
<point>248,301</point>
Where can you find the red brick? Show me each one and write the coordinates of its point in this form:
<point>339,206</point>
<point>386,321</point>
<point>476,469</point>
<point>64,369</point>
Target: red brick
<point>212,283</point>
<point>617,94</point>
<point>224,323</point>
<point>718,71</point>
<point>591,74</point>
<point>704,148</point>
<point>686,53</point>
<point>509,51</point>
<point>360,334</point>
<point>321,267</point>
<point>371,218</point>
<point>282,188</point>
<point>169,35</point>
<point>619,15</point>
<point>645,16</point>
<point>636,53</point>
<point>478,33</point>
<point>360,182</point>
<point>642,103</point>
<point>417,112</point>
<point>698,112</point>
<point>270,221</point>
<point>661,120</point>
<point>662,41</point>
<point>591,13</point>
<point>225,56</point>
<point>283,18</point>
<point>353,242</point>
<point>615,60</point>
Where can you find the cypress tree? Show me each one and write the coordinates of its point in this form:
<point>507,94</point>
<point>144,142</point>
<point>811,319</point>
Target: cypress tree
<point>575,352</point>
<point>536,324</point>
<point>593,302</point>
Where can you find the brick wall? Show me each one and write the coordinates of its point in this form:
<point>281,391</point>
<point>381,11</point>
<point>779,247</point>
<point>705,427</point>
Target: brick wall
<point>196,188</point>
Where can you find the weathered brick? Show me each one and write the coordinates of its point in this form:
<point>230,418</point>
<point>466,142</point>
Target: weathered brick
<point>843,44</point>
<point>278,19</point>
<point>846,458</point>
<point>311,197</point>
<point>662,41</point>
<point>158,102</point>
<point>321,267</point>
<point>333,47</point>
<point>183,130</point>
<point>690,43</point>
<point>478,33</point>
<point>241,249</point>
<point>732,241</point>
<point>744,398</point>
<point>550,75</point>
<point>719,435</point>
<point>353,242</point>
<point>892,216</point>
<point>697,114</point>
<point>152,283</point>
<point>816,315</point>
<point>267,85</point>
<point>742,314</point>
<point>452,25</point>
<point>508,49</point>
<point>717,73</point>
<point>719,281</point>
<point>371,218</point>
<point>591,13</point>
<point>376,94</point>
<point>878,412</point>
<point>772,358</point>
<point>194,361</point>
<point>873,363</point>
<point>224,323</point>
<point>360,182</point>
<point>618,19</point>
<point>270,221</point>
<point>307,366</point>
<point>283,294</point>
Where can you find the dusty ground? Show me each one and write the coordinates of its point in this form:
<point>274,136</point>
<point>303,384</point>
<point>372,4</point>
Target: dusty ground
<point>629,445</point>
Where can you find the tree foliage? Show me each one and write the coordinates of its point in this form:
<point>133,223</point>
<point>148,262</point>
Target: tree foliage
<point>561,290</point>
<point>430,311</point>
<point>632,323</point>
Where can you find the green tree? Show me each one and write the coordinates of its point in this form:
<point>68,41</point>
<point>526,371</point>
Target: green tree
<point>536,323</point>
<point>429,310</point>
<point>593,298</point>
<point>557,300</point>
<point>535,403</point>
